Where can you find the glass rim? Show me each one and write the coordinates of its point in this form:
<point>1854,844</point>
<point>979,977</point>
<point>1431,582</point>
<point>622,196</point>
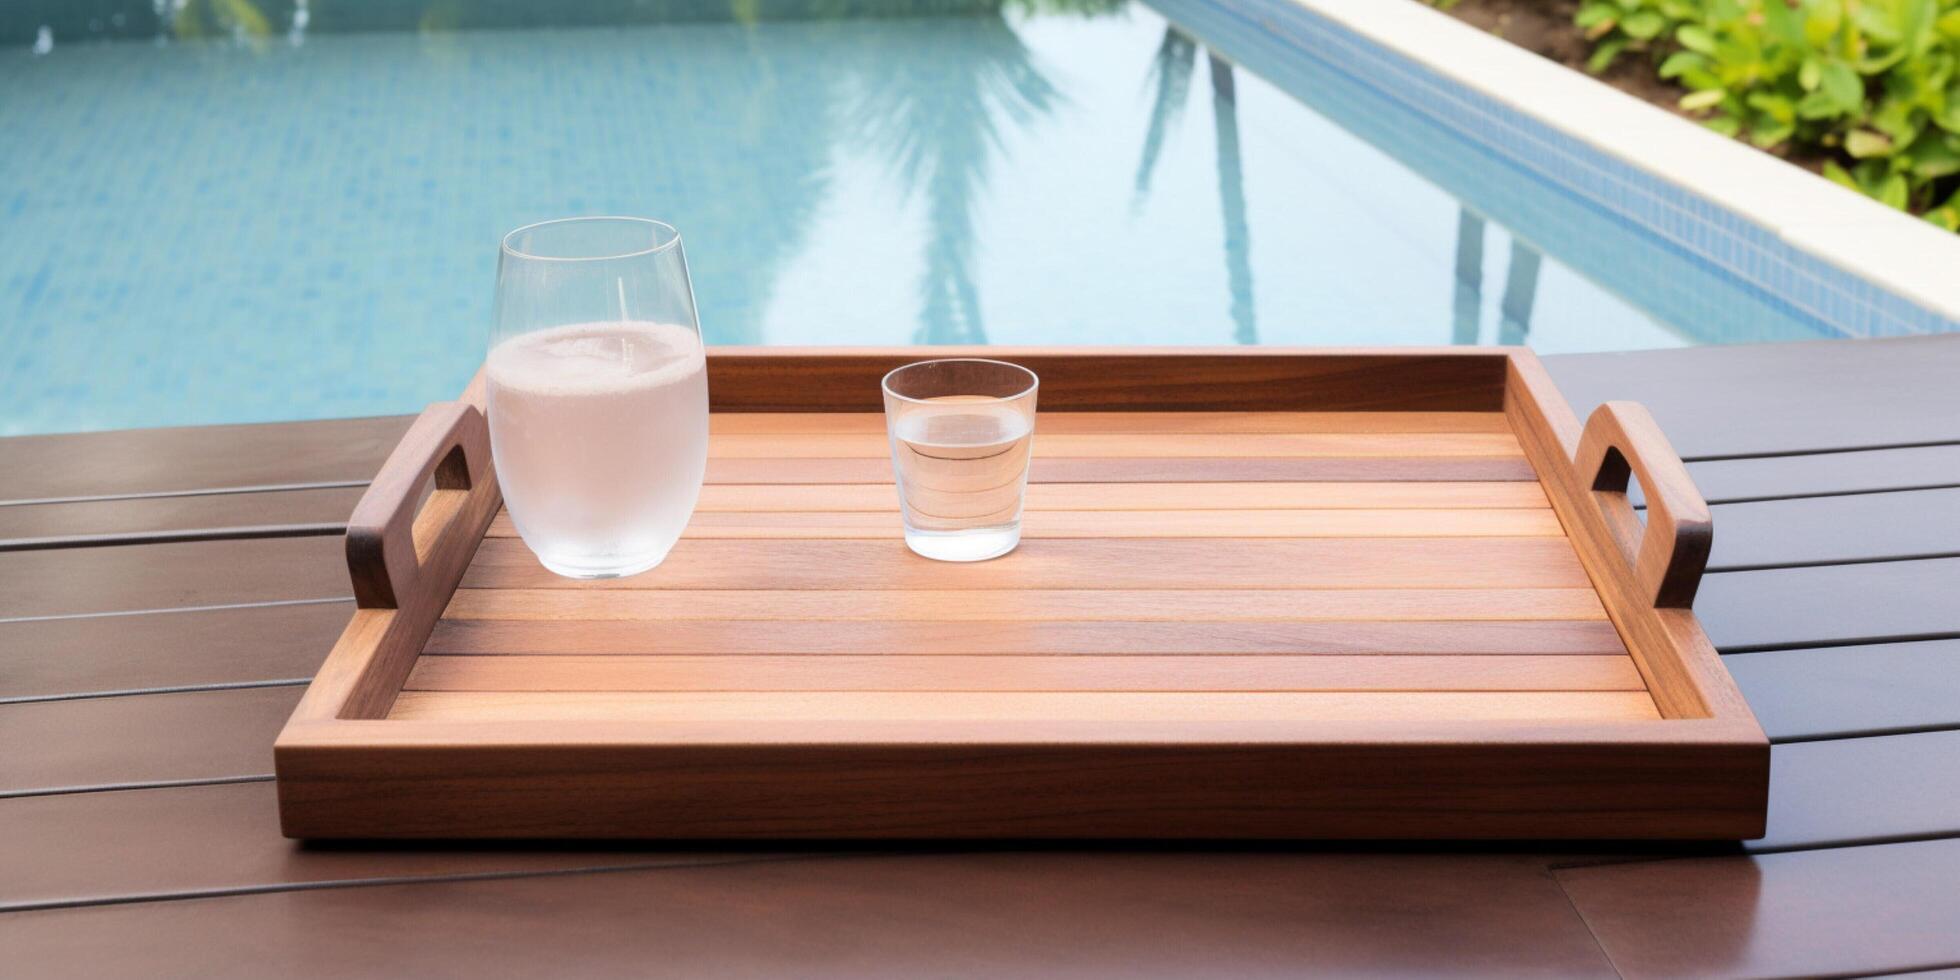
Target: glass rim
<point>672,242</point>
<point>1034,380</point>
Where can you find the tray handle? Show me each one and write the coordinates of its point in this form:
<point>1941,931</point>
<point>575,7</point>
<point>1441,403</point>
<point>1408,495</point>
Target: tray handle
<point>1620,440</point>
<point>389,537</point>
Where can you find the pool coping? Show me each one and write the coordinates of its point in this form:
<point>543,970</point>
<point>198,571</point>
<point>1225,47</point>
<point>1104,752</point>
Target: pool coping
<point>1786,205</point>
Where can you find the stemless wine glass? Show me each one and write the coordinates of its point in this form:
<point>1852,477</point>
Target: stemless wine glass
<point>598,393</point>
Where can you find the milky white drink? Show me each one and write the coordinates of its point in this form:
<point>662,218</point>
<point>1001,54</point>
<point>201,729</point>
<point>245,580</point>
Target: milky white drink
<point>961,471</point>
<point>600,432</point>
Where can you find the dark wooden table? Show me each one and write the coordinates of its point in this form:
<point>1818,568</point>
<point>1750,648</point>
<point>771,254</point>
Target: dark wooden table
<point>165,594</point>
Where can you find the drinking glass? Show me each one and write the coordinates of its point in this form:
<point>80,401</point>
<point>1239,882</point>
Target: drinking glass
<point>597,393</point>
<point>961,432</point>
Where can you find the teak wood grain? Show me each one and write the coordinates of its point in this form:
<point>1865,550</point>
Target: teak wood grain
<point>1266,593</point>
<point>1010,605</point>
<point>1246,523</point>
<point>761,499</point>
<point>1445,638</point>
<point>1056,563</point>
<point>1016,706</point>
<point>1175,445</point>
<point>1151,469</point>
<point>1134,423</point>
<point>1023,672</point>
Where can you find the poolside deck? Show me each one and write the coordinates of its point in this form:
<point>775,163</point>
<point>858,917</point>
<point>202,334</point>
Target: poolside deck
<point>165,594</point>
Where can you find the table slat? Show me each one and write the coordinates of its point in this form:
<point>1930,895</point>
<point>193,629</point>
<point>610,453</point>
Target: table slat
<point>843,708</point>
<point>1273,605</point>
<point>899,672</point>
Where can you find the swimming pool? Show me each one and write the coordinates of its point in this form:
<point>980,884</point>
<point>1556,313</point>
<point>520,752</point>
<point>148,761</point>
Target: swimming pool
<point>285,220</point>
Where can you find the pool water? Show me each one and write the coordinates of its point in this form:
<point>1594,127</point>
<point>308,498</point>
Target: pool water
<point>279,222</point>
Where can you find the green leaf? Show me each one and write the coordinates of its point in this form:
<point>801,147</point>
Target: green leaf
<point>1916,25</point>
<point>1602,56</point>
<point>1948,118</point>
<point>1817,105</point>
<point>1695,38</point>
<point>1777,107</point>
<point>1783,22</point>
<point>1643,25</point>
<point>1842,85</point>
<point>1695,101</point>
<point>1726,125</point>
<point>1680,62</point>
<point>1838,175</point>
<point>1897,121</point>
<point>1884,63</point>
<point>1949,25</point>
<point>1699,77</point>
<point>1770,133</point>
<point>1933,156</point>
<point>1892,191</point>
<point>1808,76</point>
<point>1594,14</point>
<point>1863,143</point>
<point>1822,20</point>
<point>1877,21</point>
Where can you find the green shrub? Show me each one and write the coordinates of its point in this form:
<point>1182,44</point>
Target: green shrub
<point>1868,86</point>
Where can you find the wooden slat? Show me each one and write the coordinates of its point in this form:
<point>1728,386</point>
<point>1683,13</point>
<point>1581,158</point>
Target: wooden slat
<point>1540,637</point>
<point>1819,530</point>
<point>166,576</point>
<point>1835,912</point>
<point>251,644</point>
<point>180,841</point>
<point>1725,480</point>
<point>1076,423</point>
<point>1059,563</point>
<point>1022,706</point>
<point>1022,673</point>
<point>200,515</point>
<point>1045,468</point>
<point>1833,692</point>
<point>198,839</point>
<point>1863,791</point>
<point>141,739</point>
<point>1031,604</point>
<point>738,498</point>
<point>201,458</point>
<point>1135,446</point>
<point>1781,398</point>
<point>994,913</point>
<point>1829,604</point>
<point>1155,524</point>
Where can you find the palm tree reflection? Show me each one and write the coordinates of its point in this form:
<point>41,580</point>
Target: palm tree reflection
<point>1171,69</point>
<point>932,102</point>
<point>1231,200</point>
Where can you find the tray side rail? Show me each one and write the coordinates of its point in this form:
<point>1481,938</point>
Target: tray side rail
<point>1646,580</point>
<point>405,555</point>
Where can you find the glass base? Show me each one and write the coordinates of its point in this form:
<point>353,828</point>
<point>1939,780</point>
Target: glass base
<point>596,568</point>
<point>975,544</point>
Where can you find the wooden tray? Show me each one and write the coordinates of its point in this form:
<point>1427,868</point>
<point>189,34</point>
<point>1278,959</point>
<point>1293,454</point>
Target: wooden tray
<point>1263,593</point>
